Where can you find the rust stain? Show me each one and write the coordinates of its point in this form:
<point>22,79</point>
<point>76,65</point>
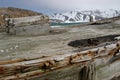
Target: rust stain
<point>2,69</point>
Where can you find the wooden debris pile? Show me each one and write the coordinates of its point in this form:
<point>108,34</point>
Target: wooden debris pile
<point>26,69</point>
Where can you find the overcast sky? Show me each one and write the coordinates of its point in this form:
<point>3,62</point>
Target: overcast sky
<point>53,6</point>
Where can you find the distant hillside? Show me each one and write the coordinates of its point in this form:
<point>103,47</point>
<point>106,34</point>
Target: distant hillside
<point>16,12</point>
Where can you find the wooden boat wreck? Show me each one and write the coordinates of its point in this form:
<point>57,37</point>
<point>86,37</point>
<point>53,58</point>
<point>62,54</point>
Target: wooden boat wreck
<point>80,65</point>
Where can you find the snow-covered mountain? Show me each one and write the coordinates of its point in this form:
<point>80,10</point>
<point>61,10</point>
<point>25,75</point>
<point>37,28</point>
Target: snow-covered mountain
<point>83,16</point>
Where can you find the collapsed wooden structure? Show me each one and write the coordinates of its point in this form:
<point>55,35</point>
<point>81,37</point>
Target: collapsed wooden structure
<point>22,69</point>
<point>35,25</point>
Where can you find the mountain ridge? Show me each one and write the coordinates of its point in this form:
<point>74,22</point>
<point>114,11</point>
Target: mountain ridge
<point>84,15</point>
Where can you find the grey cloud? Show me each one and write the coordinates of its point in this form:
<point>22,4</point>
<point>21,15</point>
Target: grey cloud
<point>63,5</point>
<point>80,4</point>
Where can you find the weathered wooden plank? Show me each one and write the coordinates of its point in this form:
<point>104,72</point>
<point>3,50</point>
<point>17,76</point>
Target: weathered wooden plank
<point>11,61</point>
<point>24,68</point>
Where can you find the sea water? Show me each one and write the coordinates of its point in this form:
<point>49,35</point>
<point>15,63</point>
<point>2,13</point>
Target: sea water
<point>65,24</point>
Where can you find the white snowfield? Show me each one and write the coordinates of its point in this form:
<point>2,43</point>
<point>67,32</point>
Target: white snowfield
<point>84,16</point>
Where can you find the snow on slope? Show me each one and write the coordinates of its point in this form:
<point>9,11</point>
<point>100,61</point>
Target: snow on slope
<point>84,16</point>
